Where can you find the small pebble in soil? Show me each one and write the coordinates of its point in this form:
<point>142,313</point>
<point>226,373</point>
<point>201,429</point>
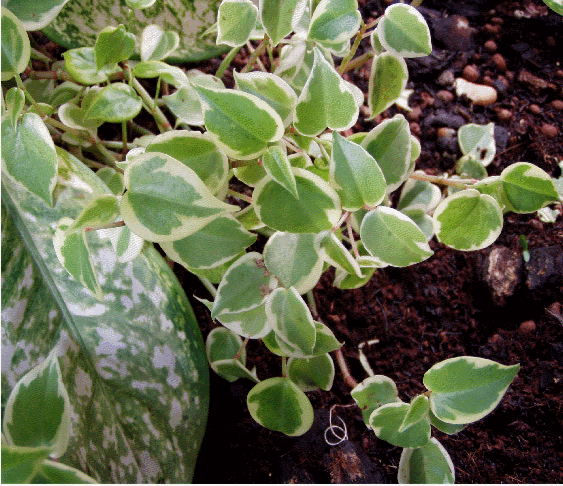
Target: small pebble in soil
<point>549,131</point>
<point>415,129</point>
<point>492,29</point>
<point>426,99</point>
<point>445,132</point>
<point>503,114</point>
<point>447,78</point>
<point>445,96</point>
<point>557,104</point>
<point>500,62</point>
<point>527,327</point>
<point>487,80</point>
<point>534,109</point>
<point>479,94</point>
<point>494,339</point>
<point>490,45</point>
<point>559,73</point>
<point>471,73</point>
<point>415,114</point>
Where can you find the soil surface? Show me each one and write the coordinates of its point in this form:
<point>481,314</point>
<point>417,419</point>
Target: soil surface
<point>489,303</point>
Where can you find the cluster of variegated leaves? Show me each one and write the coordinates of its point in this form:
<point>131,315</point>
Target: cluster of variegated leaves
<point>312,188</point>
<point>460,391</point>
<point>36,428</point>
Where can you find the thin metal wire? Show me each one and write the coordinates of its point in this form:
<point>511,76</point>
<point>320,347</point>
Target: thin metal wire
<point>342,434</point>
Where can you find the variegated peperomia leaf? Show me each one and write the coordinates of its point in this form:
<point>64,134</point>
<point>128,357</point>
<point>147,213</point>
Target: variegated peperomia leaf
<point>15,102</point>
<point>388,78</point>
<point>235,21</point>
<point>28,155</point>
<point>241,123</point>
<point>404,32</point>
<point>113,45</point>
<point>389,143</point>
<point>386,423</point>
<point>429,464</point>
<point>317,208</point>
<point>157,44</point>
<point>37,412</point>
<point>325,101</point>
<point>80,63</point>
<point>466,389</point>
<point>373,392</point>
<point>334,252</point>
<point>279,16</point>
<point>16,49</point>
<point>417,194</point>
<point>418,410</point>
<point>277,166</point>
<point>278,404</point>
<point>166,200</point>
<point>227,355</point>
<point>133,364</point>
<point>477,142</point>
<point>468,220</point>
<point>21,464</point>
<point>334,22</point>
<point>115,103</point>
<point>310,374</point>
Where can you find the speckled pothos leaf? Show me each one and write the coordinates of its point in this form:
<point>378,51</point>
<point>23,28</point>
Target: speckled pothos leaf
<point>133,364</point>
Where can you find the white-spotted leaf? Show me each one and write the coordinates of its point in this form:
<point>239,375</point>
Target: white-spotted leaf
<point>126,244</point>
<point>34,15</point>
<point>429,464</point>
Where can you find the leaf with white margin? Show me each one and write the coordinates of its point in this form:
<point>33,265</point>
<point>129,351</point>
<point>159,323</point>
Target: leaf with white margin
<point>37,412</point>
<point>325,101</point>
<point>157,44</point>
<point>466,388</point>
<point>292,59</point>
<point>310,374</point>
<point>52,472</point>
<point>373,392</point>
<point>102,210</point>
<point>154,69</point>
<point>235,21</point>
<point>126,244</point>
<point>422,220</point>
<point>166,200</point>
<point>221,343</point>
<point>393,237</point>
<point>404,32</point>
<point>388,78</point>
<point>241,123</point>
<point>478,142</point>
<point>386,422</point>
<point>198,152</point>
<point>417,194</point>
<point>270,88</point>
<point>429,464</point>
<point>80,63</point>
<point>367,263</point>
<point>279,16</point>
<point>15,102</point>
<point>33,15</point>
<point>74,255</point>
<point>355,175</point>
<point>418,410</point>
<point>291,320</point>
<point>252,323</point>
<point>294,260</point>
<point>278,404</point>
<point>316,209</point>
<point>555,5</point>
<point>442,426</point>
<point>232,370</point>
<point>20,464</point>
<point>211,246</point>
<point>113,179</point>
<point>525,188</point>
<point>115,103</point>
<point>332,250</point>
<point>334,22</point>
<point>16,49</point>
<point>244,286</point>
<point>468,220</point>
<point>389,143</point>
<point>185,105</point>
<point>277,166</point>
<point>248,218</point>
<point>29,157</point>
<point>113,45</point>
<point>134,365</point>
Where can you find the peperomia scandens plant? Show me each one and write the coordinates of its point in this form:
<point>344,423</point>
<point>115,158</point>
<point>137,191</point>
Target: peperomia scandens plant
<point>271,156</point>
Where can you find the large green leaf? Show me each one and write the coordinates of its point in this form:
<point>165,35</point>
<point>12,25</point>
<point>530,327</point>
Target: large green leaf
<point>16,49</point>
<point>35,15</point>
<point>133,364</point>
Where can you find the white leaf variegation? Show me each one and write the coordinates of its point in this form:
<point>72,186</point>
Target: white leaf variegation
<point>429,464</point>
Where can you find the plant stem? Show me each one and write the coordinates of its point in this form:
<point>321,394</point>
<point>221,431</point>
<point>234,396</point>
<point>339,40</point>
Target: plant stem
<point>312,305</point>
<point>208,285</point>
<point>239,195</point>
<point>252,59</point>
<point>341,220</point>
<point>258,61</point>
<point>118,224</point>
<point>462,184</point>
<point>354,48</point>
<point>348,378</point>
<point>227,61</point>
<point>359,61</point>
<point>159,117</point>
<point>351,235</point>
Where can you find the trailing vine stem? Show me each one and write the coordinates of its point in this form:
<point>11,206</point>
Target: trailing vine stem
<point>462,184</point>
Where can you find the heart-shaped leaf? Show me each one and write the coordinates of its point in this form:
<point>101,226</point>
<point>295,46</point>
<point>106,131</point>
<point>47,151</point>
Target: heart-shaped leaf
<point>429,464</point>
<point>373,392</point>
<point>386,422</point>
<point>404,32</point>
<point>236,20</point>
<point>388,78</point>
<point>81,64</point>
<point>334,22</point>
<point>15,46</point>
<point>279,16</point>
<point>310,374</point>
<point>115,103</point>
<point>113,45</point>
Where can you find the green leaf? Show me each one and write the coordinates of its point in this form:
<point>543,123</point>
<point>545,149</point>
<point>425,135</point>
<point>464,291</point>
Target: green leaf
<point>157,44</point>
<point>271,89</point>
<point>185,105</point>
<point>467,166</point>
<point>113,45</point>
<point>56,473</point>
<point>388,78</point>
<point>38,410</point>
<point>429,464</point>
<point>29,157</point>
<point>393,238</point>
<point>373,392</point>
<point>334,22</point>
<point>134,364</point>
<point>278,404</point>
<point>74,255</point>
<point>244,286</point>
<point>171,74</point>
<point>419,195</point>
<point>325,101</point>
<point>242,124</point>
<point>334,252</point>
<point>216,243</point>
<point>325,342</point>
<point>34,15</point>
<point>525,188</point>
<point>20,464</point>
<point>466,389</point>
<point>389,143</point>
<point>355,175</point>
<point>386,423</point>
<point>16,49</point>
<point>227,355</point>
<point>279,16</point>
<point>198,152</point>
<point>468,220</point>
<point>317,208</point>
<point>478,142</point>
<point>15,102</point>
<point>166,200</point>
<point>310,374</point>
<point>232,369</point>
<point>63,93</point>
<point>555,5</point>
<point>291,320</point>
<point>252,323</point>
<point>115,103</point>
<point>235,21</point>
<point>81,65</point>
<point>101,210</point>
<point>277,166</point>
<point>418,410</point>
<point>443,426</point>
<point>404,32</point>
<point>113,179</point>
<point>294,260</point>
<point>126,244</point>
